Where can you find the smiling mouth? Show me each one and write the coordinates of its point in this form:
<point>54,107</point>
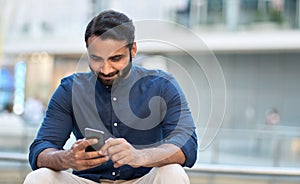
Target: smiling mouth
<point>108,76</point>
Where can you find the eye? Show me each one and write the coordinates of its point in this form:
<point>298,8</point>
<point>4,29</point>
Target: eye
<point>95,58</point>
<point>116,58</point>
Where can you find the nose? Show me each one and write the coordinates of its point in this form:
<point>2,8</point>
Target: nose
<point>106,68</point>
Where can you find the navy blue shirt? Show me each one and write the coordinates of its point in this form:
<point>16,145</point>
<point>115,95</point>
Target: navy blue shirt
<point>147,108</point>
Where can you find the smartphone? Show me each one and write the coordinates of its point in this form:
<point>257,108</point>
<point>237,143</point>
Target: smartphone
<point>94,134</point>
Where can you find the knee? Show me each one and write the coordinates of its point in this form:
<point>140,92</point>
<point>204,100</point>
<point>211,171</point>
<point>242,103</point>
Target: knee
<point>174,171</point>
<point>41,175</point>
<point>171,169</point>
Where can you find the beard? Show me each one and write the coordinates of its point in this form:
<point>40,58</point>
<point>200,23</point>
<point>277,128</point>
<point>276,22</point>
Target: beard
<point>123,73</point>
<point>107,82</point>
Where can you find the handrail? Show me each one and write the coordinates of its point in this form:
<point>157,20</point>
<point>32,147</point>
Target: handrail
<point>10,156</point>
<point>266,131</point>
<point>245,170</point>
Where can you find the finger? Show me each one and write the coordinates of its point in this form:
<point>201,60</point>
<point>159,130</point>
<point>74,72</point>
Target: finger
<point>92,155</point>
<point>106,145</point>
<point>95,161</point>
<point>84,144</point>
<point>90,163</point>
<point>117,165</point>
<point>78,141</point>
<point>122,146</point>
<point>118,151</point>
<point>120,162</point>
<point>92,141</point>
<point>110,143</point>
<point>124,161</point>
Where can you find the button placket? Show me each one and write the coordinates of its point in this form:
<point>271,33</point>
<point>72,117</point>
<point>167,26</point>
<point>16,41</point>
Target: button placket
<point>114,122</point>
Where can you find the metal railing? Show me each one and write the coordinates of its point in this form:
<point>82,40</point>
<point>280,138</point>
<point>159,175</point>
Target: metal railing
<point>14,157</point>
<point>245,170</point>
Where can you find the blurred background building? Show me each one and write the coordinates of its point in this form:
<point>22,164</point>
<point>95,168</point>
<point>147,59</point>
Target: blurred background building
<point>256,42</point>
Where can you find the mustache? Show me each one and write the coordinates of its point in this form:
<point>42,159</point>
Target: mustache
<point>108,75</point>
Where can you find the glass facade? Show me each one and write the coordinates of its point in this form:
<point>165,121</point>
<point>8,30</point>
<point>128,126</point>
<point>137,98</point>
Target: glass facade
<point>232,15</point>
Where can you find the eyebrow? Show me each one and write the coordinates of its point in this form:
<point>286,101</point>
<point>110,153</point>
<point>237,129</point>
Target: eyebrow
<point>118,55</point>
<point>95,57</point>
<point>98,57</point>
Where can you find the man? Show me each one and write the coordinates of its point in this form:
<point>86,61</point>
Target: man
<point>147,123</point>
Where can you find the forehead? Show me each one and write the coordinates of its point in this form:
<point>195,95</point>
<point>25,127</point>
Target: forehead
<point>103,47</point>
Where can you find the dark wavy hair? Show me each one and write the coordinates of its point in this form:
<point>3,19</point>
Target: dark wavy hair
<point>111,24</point>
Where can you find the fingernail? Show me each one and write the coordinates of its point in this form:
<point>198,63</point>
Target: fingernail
<point>103,153</point>
<point>108,140</point>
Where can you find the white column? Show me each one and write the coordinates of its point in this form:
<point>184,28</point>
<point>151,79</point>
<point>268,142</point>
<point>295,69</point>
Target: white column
<point>198,13</point>
<point>298,14</point>
<point>232,14</point>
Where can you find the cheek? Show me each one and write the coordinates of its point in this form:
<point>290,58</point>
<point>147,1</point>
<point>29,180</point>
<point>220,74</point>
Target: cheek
<point>121,64</point>
<point>118,66</point>
<point>94,65</point>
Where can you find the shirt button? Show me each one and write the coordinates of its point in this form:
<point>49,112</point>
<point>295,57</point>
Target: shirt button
<point>113,173</point>
<point>114,99</point>
<point>115,124</point>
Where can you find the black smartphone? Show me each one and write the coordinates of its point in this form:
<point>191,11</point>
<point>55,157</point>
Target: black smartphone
<point>94,134</point>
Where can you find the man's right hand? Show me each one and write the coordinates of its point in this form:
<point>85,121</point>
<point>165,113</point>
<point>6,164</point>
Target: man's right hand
<point>79,159</point>
<point>76,158</point>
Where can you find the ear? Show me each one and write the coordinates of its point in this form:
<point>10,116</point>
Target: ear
<point>133,50</point>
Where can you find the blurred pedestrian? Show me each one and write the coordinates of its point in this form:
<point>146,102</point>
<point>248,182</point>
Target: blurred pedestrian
<point>33,110</point>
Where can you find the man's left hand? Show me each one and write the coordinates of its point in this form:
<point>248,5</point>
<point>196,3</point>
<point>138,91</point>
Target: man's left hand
<point>121,152</point>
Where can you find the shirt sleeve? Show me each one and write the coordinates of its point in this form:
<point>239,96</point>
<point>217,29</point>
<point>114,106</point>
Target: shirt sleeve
<point>178,124</point>
<point>56,127</point>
